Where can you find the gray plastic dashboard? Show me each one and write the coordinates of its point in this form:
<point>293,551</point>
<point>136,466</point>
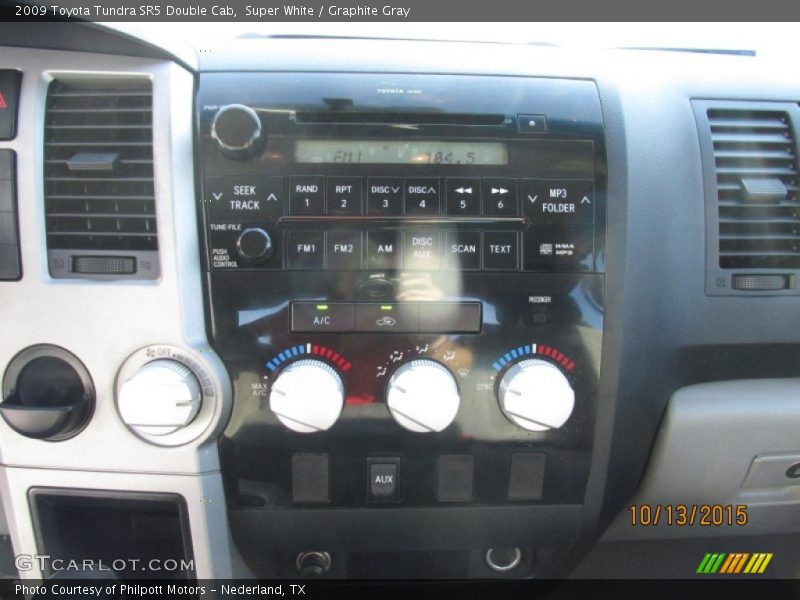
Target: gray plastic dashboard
<point>662,331</point>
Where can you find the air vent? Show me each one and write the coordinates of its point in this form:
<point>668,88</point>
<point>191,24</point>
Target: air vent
<point>98,177</point>
<point>755,158</point>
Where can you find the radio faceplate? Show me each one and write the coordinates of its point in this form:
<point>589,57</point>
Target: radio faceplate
<point>406,285</point>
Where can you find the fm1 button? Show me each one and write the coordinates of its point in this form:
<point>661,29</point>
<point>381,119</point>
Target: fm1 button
<point>306,250</point>
<point>383,476</point>
<point>558,202</point>
<point>422,251</point>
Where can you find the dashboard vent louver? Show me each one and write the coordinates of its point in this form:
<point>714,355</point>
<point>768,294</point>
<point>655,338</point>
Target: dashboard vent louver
<point>98,172</point>
<point>755,158</point>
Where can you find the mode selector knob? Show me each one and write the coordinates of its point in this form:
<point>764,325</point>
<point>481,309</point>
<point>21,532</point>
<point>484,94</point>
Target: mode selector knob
<point>160,398</point>
<point>255,245</point>
<point>237,131</point>
<point>423,396</point>
<point>307,396</point>
<point>536,395</point>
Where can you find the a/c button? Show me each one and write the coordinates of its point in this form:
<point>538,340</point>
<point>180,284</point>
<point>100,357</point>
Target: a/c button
<point>322,317</point>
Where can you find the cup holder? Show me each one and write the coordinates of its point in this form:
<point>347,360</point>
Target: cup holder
<point>47,394</point>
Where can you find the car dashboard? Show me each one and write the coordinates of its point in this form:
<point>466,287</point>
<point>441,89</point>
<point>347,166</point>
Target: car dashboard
<point>356,308</point>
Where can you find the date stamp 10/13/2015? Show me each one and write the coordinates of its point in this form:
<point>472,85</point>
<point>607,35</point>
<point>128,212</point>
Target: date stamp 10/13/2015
<point>688,515</point>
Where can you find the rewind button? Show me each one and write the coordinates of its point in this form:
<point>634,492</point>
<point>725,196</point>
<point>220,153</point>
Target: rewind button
<point>464,196</point>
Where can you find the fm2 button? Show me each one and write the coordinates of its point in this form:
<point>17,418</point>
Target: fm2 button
<point>383,476</point>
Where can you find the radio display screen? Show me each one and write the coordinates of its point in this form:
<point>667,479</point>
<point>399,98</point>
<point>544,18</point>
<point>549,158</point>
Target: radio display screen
<point>424,152</point>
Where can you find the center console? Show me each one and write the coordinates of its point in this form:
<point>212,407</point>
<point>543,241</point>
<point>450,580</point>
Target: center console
<point>405,283</point>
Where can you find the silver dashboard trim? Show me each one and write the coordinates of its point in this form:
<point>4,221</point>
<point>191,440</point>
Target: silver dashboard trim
<point>125,316</point>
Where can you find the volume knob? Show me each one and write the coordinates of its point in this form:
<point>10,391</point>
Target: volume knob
<point>237,131</point>
<point>255,245</point>
<point>423,396</point>
<point>535,395</point>
<point>307,396</point>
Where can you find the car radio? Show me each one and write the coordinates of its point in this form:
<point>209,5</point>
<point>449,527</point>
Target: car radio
<point>405,282</point>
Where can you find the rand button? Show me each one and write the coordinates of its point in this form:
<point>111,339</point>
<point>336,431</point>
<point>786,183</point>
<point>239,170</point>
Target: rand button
<point>307,195</point>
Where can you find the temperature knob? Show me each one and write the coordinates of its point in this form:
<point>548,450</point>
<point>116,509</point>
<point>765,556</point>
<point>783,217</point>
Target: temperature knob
<point>535,395</point>
<point>237,131</point>
<point>423,396</point>
<point>160,398</point>
<point>307,396</point>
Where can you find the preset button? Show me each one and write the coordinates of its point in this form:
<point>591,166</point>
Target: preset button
<point>307,195</point>
<point>422,196</point>
<point>385,196</point>
<point>499,197</point>
<point>344,195</point>
<point>464,197</point>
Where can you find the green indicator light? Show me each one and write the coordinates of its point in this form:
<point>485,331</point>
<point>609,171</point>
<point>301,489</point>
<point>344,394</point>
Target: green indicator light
<point>386,307</point>
<point>322,307</point>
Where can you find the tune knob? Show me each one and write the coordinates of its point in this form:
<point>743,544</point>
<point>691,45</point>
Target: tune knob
<point>307,396</point>
<point>535,395</point>
<point>237,131</point>
<point>255,245</point>
<point>161,398</point>
<point>423,396</point>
